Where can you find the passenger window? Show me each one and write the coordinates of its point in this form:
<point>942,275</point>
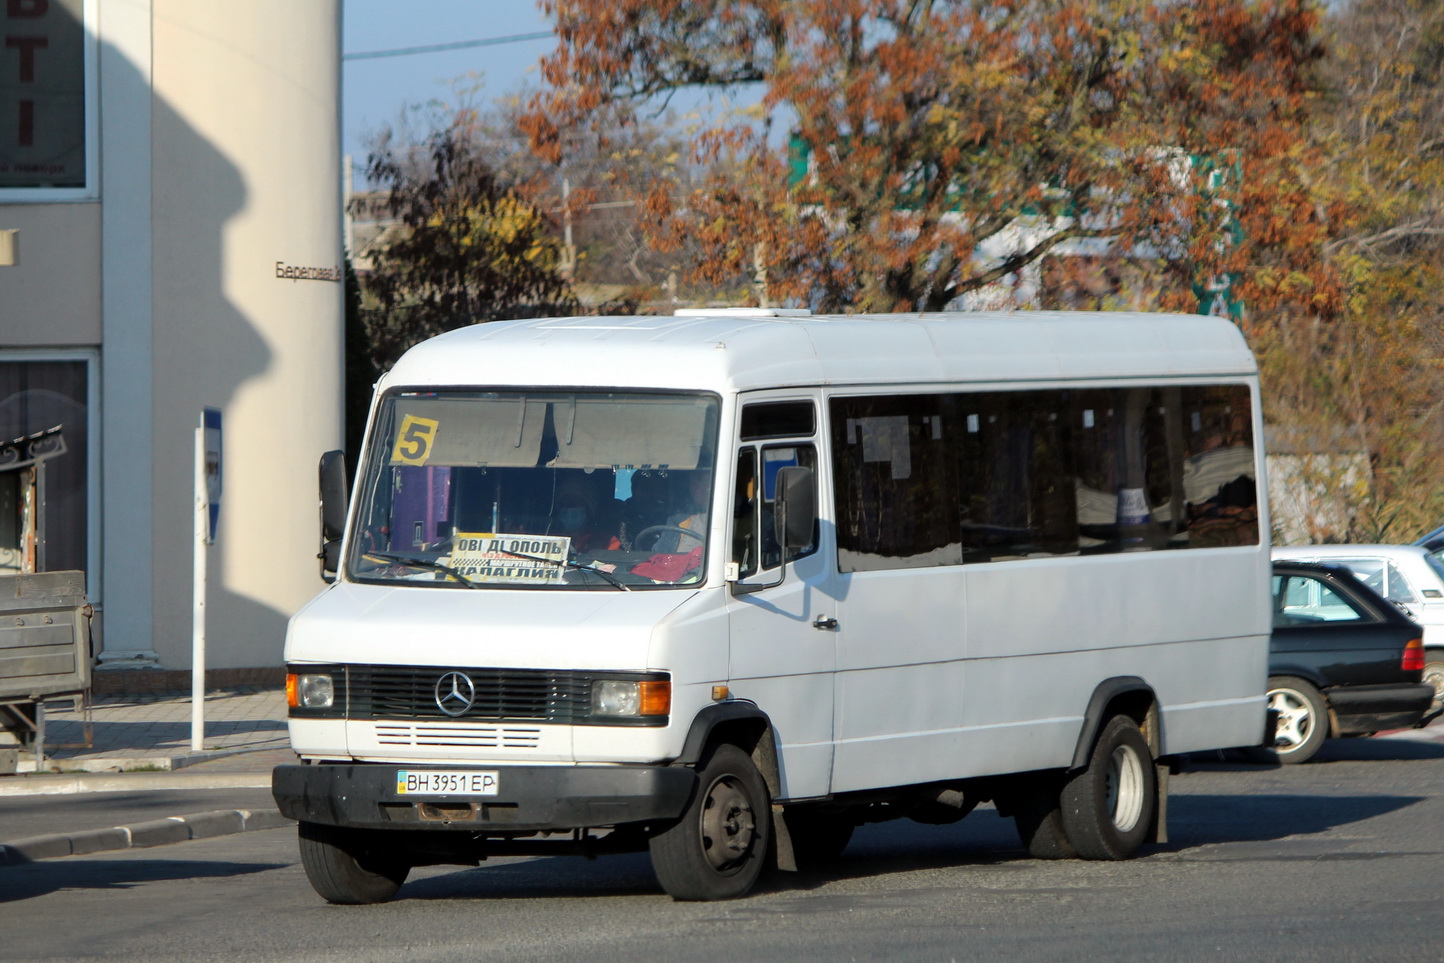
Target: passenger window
<point>754,539</point>
<point>1399,590</point>
<point>938,479</point>
<point>1301,600</point>
<point>778,419</point>
<point>1382,576</point>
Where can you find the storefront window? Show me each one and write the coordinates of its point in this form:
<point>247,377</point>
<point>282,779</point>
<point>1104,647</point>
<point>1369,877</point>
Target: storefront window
<point>43,128</point>
<point>36,396</point>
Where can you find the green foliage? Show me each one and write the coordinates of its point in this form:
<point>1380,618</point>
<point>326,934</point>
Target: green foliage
<point>465,247</point>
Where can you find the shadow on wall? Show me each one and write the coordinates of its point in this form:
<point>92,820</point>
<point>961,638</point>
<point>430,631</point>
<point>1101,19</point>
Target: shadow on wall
<point>203,350</point>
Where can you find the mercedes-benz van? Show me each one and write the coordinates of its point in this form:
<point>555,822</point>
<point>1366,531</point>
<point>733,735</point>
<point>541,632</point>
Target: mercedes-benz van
<point>724,586</point>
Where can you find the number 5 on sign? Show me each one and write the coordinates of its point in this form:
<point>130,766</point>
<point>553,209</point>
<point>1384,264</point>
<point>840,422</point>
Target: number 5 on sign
<point>413,441</point>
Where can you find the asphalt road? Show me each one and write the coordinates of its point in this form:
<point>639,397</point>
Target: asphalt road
<point>1340,859</point>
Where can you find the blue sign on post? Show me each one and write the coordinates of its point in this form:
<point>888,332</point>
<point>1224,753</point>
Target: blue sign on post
<point>211,422</point>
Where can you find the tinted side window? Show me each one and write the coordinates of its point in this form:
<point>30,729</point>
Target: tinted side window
<point>778,419</point>
<point>939,479</point>
<point>895,490</point>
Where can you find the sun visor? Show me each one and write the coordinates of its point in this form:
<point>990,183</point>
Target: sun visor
<point>502,433</point>
<point>599,433</point>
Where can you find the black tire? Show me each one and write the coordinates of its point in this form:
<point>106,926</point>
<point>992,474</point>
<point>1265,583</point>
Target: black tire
<point>717,849</point>
<point>1108,808</point>
<point>1303,719</point>
<point>1038,815</point>
<point>818,838</point>
<point>350,866</point>
<point>1434,675</point>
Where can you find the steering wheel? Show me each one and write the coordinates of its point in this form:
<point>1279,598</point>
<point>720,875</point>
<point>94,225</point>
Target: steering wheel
<point>661,530</point>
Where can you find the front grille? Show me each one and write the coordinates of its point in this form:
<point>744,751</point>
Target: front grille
<point>469,736</point>
<point>561,697</point>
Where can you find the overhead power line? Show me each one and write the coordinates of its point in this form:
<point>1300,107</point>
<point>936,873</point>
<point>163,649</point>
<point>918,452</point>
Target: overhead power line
<point>438,47</point>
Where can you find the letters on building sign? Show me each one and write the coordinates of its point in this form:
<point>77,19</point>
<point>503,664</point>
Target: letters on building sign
<point>42,94</point>
<point>295,272</point>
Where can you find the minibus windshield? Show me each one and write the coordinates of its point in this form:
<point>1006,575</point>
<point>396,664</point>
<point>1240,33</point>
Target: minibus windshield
<point>539,489</point>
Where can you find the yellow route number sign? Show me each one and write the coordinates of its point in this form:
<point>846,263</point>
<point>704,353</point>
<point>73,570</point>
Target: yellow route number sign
<point>414,440</point>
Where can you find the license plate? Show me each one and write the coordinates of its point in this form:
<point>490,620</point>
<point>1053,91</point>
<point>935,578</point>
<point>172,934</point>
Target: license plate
<point>446,782</point>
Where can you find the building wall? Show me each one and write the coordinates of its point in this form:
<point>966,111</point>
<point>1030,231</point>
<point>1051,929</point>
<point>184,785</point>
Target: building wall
<point>245,174</point>
<point>51,296</point>
<point>218,155</point>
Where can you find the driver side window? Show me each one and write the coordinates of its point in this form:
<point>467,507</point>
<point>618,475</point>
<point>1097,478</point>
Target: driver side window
<point>754,538</point>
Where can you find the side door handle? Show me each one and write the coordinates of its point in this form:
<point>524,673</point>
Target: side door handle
<point>824,622</point>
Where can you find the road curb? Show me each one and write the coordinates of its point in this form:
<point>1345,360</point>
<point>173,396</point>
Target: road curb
<point>69,783</point>
<point>151,763</point>
<point>156,832</point>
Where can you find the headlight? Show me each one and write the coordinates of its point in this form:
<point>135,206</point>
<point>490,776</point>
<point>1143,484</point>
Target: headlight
<point>310,690</point>
<point>617,698</point>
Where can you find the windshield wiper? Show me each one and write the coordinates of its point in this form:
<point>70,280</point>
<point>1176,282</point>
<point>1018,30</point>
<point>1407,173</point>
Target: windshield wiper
<point>567,564</point>
<point>430,563</point>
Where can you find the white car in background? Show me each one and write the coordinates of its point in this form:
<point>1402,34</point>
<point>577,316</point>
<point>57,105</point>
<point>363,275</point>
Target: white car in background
<point>1409,575</point>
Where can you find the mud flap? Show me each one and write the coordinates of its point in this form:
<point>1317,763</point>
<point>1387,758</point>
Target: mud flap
<point>782,841</point>
<point>1158,832</point>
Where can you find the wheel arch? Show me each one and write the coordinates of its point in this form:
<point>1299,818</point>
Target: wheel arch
<point>743,724</point>
<point>1312,676</point>
<point>1126,695</point>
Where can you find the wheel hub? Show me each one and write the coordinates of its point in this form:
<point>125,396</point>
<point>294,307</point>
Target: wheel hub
<point>728,823</point>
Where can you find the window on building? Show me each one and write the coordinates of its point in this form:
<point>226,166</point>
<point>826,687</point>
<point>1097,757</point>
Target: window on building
<point>44,128</point>
<point>35,396</point>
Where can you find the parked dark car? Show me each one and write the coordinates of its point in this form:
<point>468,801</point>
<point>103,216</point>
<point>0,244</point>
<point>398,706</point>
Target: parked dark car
<point>1343,661</point>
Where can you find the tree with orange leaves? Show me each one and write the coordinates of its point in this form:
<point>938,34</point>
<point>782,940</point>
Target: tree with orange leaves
<point>953,145</point>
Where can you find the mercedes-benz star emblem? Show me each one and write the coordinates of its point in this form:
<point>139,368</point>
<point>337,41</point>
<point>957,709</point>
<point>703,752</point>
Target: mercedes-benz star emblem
<point>455,693</point>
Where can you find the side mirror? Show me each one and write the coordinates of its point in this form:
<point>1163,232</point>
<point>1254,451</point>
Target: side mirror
<point>795,515</point>
<point>333,511</point>
<point>794,519</point>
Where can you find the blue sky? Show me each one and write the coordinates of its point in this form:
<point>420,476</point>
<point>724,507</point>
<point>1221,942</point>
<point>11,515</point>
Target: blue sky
<point>374,91</point>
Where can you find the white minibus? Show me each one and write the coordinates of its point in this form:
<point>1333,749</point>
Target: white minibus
<point>726,585</point>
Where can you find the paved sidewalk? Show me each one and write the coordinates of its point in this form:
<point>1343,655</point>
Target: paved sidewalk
<point>153,732</point>
<point>95,787</point>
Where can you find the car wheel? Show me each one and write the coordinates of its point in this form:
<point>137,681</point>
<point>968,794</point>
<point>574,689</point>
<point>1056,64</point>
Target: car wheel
<point>350,866</point>
<point>716,850</point>
<point>1434,675</point>
<point>1303,719</point>
<point>1038,815</point>
<point>1108,807</point>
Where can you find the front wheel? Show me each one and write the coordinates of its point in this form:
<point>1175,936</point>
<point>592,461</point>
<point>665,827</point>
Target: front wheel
<point>350,866</point>
<point>716,850</point>
<point>1109,806</point>
<point>1303,719</point>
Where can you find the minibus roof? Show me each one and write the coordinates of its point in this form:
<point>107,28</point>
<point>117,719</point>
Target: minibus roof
<point>739,350</point>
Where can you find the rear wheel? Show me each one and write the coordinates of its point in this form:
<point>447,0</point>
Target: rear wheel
<point>1038,815</point>
<point>350,866</point>
<point>1434,675</point>
<point>1303,719</point>
<point>1108,807</point>
<point>716,850</point>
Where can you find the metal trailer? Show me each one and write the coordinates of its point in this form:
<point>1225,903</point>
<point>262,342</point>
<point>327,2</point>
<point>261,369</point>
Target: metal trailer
<point>44,617</point>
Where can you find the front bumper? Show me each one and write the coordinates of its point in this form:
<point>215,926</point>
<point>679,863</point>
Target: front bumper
<point>530,798</point>
<point>1373,708</point>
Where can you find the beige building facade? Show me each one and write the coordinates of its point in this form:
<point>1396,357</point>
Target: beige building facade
<point>170,173</point>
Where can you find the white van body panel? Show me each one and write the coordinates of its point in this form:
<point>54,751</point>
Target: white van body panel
<point>931,673</point>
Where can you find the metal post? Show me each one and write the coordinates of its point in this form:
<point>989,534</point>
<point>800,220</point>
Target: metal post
<point>198,612</point>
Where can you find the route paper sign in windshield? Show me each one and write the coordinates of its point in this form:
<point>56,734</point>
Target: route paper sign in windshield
<point>516,559</point>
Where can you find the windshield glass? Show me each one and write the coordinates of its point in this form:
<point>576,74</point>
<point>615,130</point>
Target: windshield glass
<point>539,489</point>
